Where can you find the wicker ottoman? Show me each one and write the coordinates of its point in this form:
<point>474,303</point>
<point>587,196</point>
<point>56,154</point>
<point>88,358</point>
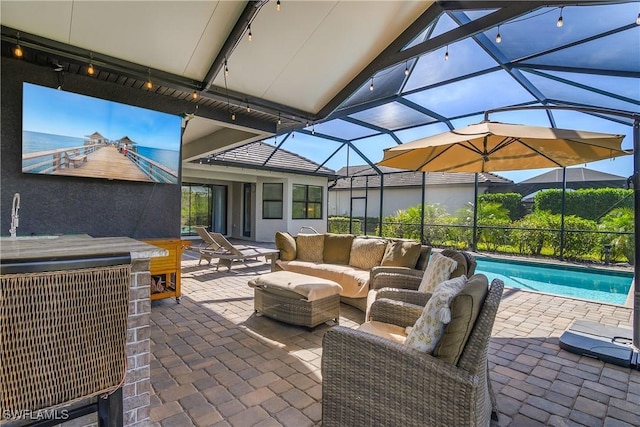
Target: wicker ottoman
<point>296,298</point>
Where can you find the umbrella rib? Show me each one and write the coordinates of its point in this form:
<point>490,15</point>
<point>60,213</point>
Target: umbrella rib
<point>539,152</point>
<point>449,147</point>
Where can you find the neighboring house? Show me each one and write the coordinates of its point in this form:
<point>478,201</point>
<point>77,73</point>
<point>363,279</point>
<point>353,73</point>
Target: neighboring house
<point>576,178</point>
<point>252,191</point>
<point>403,189</point>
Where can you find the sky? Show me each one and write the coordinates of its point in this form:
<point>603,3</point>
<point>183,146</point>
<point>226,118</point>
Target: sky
<point>495,89</point>
<point>64,113</point>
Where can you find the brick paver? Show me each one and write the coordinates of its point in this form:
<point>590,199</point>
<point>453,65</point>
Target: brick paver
<point>214,362</point>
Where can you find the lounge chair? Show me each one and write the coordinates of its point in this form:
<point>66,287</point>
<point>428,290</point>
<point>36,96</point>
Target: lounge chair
<point>217,246</point>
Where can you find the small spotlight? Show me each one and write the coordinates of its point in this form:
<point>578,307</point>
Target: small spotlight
<point>194,95</point>
<point>90,70</point>
<point>278,6</point>
<point>17,51</point>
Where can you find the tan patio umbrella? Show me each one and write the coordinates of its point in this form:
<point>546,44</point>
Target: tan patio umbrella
<point>493,146</point>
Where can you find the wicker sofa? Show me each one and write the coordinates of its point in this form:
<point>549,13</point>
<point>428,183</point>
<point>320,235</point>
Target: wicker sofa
<point>351,261</point>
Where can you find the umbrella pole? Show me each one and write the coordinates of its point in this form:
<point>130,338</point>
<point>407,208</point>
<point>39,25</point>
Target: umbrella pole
<point>562,209</point>
<point>424,179</point>
<point>474,239</point>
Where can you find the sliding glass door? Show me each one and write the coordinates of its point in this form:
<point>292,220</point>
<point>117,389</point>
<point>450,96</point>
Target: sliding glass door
<point>203,205</point>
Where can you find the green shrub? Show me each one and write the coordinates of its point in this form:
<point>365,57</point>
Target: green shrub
<point>578,241</point>
<point>529,236</point>
<point>340,225</point>
<point>589,203</point>
<point>404,224</point>
<point>510,201</point>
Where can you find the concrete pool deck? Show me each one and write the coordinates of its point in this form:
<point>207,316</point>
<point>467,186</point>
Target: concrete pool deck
<point>214,363</point>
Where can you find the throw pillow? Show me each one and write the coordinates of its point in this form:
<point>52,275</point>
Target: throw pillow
<point>438,270</point>
<point>401,254</point>
<point>286,244</point>
<point>310,247</point>
<point>337,248</point>
<point>429,327</point>
<point>366,253</point>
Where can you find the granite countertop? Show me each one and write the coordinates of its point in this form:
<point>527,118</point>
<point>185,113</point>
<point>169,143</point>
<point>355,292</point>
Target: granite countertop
<point>38,247</point>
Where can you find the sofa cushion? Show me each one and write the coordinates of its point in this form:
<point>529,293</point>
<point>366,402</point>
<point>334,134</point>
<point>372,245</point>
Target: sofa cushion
<point>465,308</point>
<point>401,253</point>
<point>337,248</point>
<point>354,281</point>
<point>438,270</point>
<point>310,247</point>
<point>366,253</point>
<point>429,327</point>
<point>286,244</point>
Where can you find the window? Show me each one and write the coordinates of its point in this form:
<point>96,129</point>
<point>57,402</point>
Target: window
<point>272,201</point>
<point>307,202</point>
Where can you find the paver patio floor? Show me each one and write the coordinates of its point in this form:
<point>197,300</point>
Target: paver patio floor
<point>215,363</point>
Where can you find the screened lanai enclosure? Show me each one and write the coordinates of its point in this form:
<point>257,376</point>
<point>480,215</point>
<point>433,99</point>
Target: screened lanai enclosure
<point>337,82</point>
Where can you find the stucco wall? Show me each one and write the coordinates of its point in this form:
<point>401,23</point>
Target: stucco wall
<point>450,197</point>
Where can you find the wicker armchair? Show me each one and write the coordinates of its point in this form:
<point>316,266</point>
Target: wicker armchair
<point>370,380</point>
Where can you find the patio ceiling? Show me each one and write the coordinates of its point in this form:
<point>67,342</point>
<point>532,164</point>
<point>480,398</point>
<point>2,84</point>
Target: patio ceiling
<point>310,65</point>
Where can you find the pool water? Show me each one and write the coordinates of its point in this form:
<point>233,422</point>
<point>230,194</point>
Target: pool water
<point>601,286</point>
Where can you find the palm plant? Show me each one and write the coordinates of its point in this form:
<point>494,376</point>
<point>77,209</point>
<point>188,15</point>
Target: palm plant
<point>619,220</point>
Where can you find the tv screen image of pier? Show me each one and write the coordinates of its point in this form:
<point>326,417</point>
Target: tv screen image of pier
<point>65,133</point>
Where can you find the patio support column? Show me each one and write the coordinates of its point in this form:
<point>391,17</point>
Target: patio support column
<point>381,203</point>
<point>424,180</point>
<point>562,208</point>
<point>350,205</point>
<point>636,263</point>
<point>366,199</point>
<point>474,239</point>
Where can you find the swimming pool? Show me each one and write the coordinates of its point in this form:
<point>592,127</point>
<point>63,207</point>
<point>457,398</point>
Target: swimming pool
<point>596,285</point>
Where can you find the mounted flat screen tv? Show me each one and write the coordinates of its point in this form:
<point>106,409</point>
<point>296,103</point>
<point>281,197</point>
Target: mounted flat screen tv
<point>64,133</point>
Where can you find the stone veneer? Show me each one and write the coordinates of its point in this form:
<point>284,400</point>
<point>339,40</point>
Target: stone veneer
<point>136,391</point>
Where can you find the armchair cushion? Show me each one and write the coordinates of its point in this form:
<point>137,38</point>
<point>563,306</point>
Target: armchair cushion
<point>465,308</point>
<point>389,331</point>
<point>310,247</point>
<point>366,253</point>
<point>399,253</point>
<point>337,248</point>
<point>286,244</point>
<point>429,328</point>
<point>438,270</point>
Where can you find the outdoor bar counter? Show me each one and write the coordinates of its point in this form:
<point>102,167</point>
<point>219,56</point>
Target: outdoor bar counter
<point>100,284</point>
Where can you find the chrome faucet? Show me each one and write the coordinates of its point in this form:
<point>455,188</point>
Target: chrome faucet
<point>15,207</point>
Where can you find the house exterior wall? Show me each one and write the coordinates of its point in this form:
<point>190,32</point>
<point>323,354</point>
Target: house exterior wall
<point>450,197</point>
<point>263,229</point>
